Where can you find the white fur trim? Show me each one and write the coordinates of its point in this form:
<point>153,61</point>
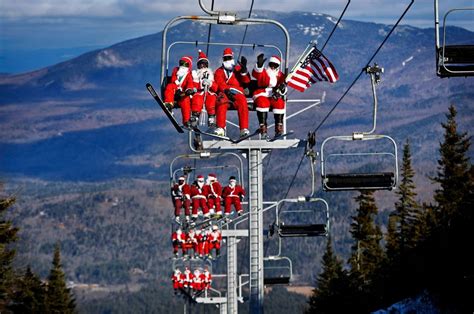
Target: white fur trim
<point>279,111</point>
<point>274,60</point>
<point>258,70</point>
<point>262,109</point>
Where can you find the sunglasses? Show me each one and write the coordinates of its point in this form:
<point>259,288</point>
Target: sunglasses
<point>183,64</point>
<point>273,65</point>
<point>200,180</point>
<point>203,64</point>
<point>227,58</point>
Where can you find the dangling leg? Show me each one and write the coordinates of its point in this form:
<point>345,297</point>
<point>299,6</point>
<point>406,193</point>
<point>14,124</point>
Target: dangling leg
<point>278,124</point>
<point>278,106</point>
<point>262,121</point>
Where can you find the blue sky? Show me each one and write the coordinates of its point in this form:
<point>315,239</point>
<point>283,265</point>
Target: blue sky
<point>29,27</point>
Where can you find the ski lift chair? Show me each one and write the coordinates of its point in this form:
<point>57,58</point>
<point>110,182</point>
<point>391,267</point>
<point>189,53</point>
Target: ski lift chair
<point>278,270</point>
<point>380,180</point>
<point>311,228</point>
<point>369,180</point>
<point>452,60</point>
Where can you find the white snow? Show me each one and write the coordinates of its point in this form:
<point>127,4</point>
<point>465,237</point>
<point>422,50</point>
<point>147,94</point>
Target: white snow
<point>407,60</point>
<point>382,32</point>
<point>108,59</point>
<point>311,30</point>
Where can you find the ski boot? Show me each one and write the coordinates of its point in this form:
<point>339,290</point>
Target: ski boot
<point>244,132</point>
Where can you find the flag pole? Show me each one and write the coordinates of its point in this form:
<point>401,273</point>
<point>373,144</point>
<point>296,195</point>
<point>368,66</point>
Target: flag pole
<point>301,59</point>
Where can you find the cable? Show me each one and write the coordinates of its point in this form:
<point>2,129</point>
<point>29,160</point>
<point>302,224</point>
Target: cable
<point>362,71</point>
<point>245,32</point>
<point>294,177</point>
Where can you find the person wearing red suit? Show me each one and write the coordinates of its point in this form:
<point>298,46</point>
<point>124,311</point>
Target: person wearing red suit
<point>233,194</point>
<point>178,280</point>
<point>180,88</point>
<point>178,238</point>
<point>188,278</point>
<point>203,245</point>
<point>197,281</point>
<point>198,196</point>
<point>231,80</point>
<point>269,93</point>
<point>215,239</point>
<point>214,195</point>
<point>206,278</point>
<point>192,242</point>
<point>181,193</point>
<point>203,79</point>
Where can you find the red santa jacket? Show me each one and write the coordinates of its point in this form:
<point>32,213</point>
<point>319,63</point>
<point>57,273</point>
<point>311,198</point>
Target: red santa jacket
<point>183,84</point>
<point>231,80</point>
<point>206,276</point>
<point>188,276</point>
<point>181,191</point>
<point>177,277</point>
<point>266,81</point>
<point>214,189</point>
<point>215,236</point>
<point>178,237</point>
<point>236,191</point>
<point>197,192</point>
<point>192,238</point>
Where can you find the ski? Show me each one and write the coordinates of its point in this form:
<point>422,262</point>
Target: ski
<point>246,137</point>
<point>198,131</point>
<point>279,136</point>
<point>169,114</point>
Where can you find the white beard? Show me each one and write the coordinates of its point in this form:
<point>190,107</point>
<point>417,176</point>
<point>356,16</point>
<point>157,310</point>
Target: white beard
<point>200,184</point>
<point>272,74</point>
<point>232,185</point>
<point>182,71</point>
<point>229,65</point>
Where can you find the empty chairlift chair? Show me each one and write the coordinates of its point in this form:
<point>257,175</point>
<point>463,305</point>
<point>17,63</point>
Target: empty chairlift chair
<point>310,221</point>
<point>453,59</point>
<point>278,270</point>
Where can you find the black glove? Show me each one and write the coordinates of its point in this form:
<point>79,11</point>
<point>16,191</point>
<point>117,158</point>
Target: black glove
<point>229,94</point>
<point>243,64</point>
<point>260,60</point>
<point>190,91</point>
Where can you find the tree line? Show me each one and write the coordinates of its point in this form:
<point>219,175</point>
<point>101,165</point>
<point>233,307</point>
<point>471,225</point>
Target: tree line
<point>425,248</point>
<point>22,291</point>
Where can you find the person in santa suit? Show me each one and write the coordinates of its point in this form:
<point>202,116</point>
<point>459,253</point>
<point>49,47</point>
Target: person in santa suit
<point>181,194</point>
<point>178,238</point>
<point>178,280</point>
<point>214,195</point>
<point>197,281</point>
<point>199,199</point>
<point>215,239</point>
<point>203,79</point>
<point>199,237</point>
<point>206,278</point>
<point>188,279</point>
<point>233,194</point>
<point>231,79</point>
<point>270,92</point>
<point>180,89</point>
<point>203,246</point>
<point>192,242</point>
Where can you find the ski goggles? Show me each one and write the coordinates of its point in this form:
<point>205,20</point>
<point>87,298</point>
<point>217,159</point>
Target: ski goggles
<point>202,64</point>
<point>227,58</point>
<point>273,65</point>
<point>183,63</point>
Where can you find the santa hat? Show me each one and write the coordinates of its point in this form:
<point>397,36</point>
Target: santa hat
<point>177,270</point>
<point>187,59</point>
<point>228,52</point>
<point>214,227</point>
<point>275,59</point>
<point>200,177</point>
<point>232,178</point>
<point>212,176</point>
<point>181,178</point>
<point>179,231</point>
<point>202,56</point>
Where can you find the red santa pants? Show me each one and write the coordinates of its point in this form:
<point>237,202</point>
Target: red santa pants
<point>200,203</point>
<point>265,103</point>
<point>215,202</point>
<point>183,102</point>
<point>203,248</point>
<point>176,245</point>
<point>214,245</point>
<point>240,104</point>
<point>178,204</point>
<point>198,100</point>
<point>229,201</point>
<point>177,284</point>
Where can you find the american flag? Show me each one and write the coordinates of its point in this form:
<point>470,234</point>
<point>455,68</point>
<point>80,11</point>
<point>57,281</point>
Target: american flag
<point>315,67</point>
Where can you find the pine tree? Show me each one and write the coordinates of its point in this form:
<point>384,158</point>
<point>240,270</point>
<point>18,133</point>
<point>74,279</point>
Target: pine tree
<point>453,169</point>
<point>403,229</point>
<point>30,294</point>
<point>59,297</point>
<point>367,253</point>
<point>332,286</point>
<point>7,254</point>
